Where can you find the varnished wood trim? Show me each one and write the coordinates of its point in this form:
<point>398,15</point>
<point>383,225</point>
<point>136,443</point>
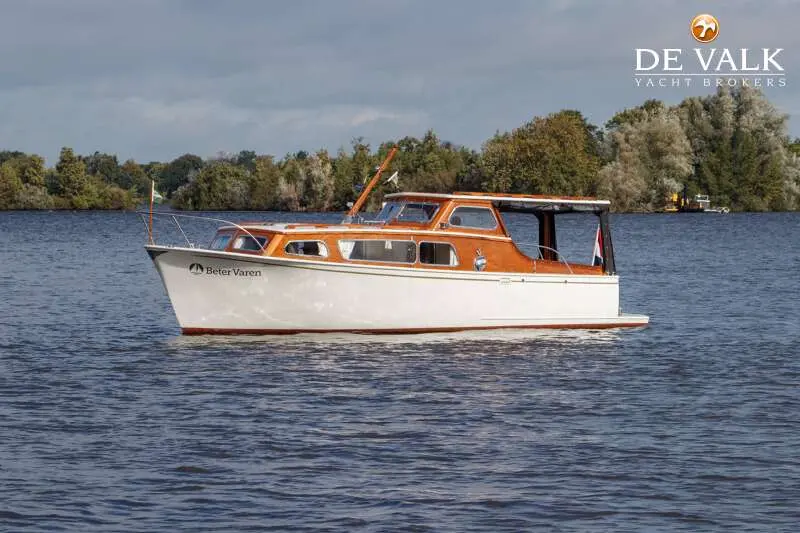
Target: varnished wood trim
<point>410,231</point>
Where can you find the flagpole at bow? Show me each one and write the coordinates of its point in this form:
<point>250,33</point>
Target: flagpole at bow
<point>152,198</point>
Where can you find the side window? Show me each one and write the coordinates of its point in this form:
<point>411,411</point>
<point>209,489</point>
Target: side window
<point>473,217</point>
<point>246,242</point>
<point>437,253</point>
<point>312,248</point>
<point>220,241</point>
<point>379,250</point>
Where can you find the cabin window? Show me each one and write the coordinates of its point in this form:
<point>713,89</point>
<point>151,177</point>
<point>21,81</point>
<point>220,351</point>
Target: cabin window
<point>220,241</point>
<point>379,250</point>
<point>473,217</point>
<point>417,212</point>
<point>420,212</point>
<point>312,248</point>
<point>389,211</point>
<point>437,253</point>
<point>248,242</point>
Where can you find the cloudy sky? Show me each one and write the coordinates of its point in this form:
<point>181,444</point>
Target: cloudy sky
<point>153,79</point>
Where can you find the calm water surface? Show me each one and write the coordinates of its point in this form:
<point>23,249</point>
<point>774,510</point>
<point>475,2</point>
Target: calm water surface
<point>111,421</point>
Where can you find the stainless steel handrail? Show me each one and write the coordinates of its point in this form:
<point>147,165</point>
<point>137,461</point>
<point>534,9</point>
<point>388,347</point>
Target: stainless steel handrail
<point>145,214</point>
<point>539,247</point>
<point>175,220</point>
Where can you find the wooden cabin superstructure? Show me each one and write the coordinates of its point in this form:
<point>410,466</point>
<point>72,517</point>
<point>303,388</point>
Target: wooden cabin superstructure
<point>470,224</point>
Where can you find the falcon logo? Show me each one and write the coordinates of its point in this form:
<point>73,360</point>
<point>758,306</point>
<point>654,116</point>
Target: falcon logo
<point>196,268</point>
<point>705,28</point>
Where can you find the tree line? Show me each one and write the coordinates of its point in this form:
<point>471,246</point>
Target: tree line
<point>732,145</point>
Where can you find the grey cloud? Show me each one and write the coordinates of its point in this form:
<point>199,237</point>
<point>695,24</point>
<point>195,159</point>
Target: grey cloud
<point>153,79</point>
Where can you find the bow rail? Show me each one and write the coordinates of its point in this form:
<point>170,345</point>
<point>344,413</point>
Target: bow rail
<point>174,217</point>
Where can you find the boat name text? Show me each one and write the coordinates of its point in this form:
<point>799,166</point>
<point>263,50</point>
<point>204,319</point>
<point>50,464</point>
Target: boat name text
<point>198,269</point>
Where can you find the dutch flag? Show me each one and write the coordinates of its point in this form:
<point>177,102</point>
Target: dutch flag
<point>597,260</point>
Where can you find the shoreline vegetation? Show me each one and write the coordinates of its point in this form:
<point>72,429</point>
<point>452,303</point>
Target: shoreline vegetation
<point>732,145</point>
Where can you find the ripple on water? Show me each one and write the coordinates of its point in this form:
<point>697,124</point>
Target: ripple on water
<point>113,422</point>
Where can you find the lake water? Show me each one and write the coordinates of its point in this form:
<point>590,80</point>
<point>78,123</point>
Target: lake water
<point>111,421</point>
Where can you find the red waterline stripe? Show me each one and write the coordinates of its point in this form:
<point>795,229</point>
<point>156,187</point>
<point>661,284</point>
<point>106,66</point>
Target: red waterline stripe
<point>236,331</point>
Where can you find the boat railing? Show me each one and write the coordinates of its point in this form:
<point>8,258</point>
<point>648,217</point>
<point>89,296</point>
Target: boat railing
<point>174,217</point>
<point>540,255</point>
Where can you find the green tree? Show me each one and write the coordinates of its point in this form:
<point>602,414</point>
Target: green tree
<point>113,197</point>
<point>178,172</point>
<point>428,164</point>
<point>715,174</point>
<point>10,186</point>
<point>363,162</point>
<point>247,160</point>
<point>30,169</point>
<point>633,115</point>
<point>471,177</point>
<point>741,150</point>
<point>291,183</point>
<point>105,166</point>
<point>319,185</point>
<point>343,180</point>
<point>34,197</point>
<point>552,155</point>
<point>133,176</point>
<point>8,155</point>
<point>153,170</point>
<point>264,183</point>
<point>652,159</point>
<point>73,183</point>
<point>220,185</point>
<point>32,172</point>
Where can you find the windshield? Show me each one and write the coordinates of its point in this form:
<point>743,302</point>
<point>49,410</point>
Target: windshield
<point>389,211</point>
<point>419,212</point>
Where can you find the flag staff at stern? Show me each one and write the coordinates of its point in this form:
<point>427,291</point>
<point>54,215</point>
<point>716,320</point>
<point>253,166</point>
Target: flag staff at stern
<point>597,256</point>
<point>365,193</point>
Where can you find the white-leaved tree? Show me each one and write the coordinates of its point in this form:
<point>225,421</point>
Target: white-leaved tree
<point>651,159</point>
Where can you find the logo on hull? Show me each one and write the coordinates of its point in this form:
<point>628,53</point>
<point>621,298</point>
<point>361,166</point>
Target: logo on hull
<point>196,268</point>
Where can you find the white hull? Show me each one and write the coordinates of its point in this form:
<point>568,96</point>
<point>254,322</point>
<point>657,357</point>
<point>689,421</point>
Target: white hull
<point>223,292</point>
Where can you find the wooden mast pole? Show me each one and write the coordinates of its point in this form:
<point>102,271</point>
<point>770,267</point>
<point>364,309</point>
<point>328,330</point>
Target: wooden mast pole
<point>365,193</point>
